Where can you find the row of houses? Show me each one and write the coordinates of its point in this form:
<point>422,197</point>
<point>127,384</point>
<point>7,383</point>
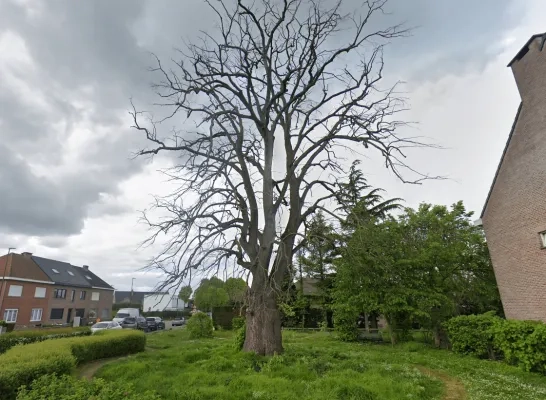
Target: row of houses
<point>36,291</point>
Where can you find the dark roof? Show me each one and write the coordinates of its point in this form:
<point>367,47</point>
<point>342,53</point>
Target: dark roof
<point>95,280</point>
<point>125,296</point>
<point>66,274</point>
<point>525,48</point>
<point>502,159</point>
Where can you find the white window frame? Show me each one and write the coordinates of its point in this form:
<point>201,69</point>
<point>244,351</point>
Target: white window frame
<point>39,313</point>
<point>10,315</point>
<point>38,291</point>
<point>12,294</point>
<point>95,296</point>
<point>543,238</point>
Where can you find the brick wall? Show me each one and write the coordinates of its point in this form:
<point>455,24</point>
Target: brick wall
<point>26,302</point>
<point>103,306</point>
<point>516,210</point>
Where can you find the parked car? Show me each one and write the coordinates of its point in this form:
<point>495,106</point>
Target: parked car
<point>104,325</point>
<point>155,323</point>
<point>142,324</point>
<point>129,323</point>
<point>178,321</point>
<point>126,312</point>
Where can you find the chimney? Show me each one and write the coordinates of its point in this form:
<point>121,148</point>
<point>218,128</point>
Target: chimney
<point>85,267</point>
<point>26,254</point>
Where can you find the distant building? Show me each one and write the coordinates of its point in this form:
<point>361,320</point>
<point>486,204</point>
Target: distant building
<point>162,302</point>
<point>514,215</point>
<point>36,290</point>
<point>129,297</point>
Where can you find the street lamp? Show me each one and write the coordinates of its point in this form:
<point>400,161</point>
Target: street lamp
<point>131,299</point>
<point>2,289</point>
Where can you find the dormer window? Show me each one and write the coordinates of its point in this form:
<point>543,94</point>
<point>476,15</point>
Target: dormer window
<point>54,270</point>
<point>70,273</point>
<point>88,277</point>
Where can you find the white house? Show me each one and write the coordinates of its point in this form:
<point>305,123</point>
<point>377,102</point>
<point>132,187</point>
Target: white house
<point>162,302</point>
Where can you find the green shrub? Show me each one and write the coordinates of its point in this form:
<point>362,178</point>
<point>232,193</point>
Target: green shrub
<point>199,326</point>
<point>108,344</point>
<point>3,323</point>
<point>240,337</point>
<point>472,334</point>
<point>20,365</point>
<point>237,323</point>
<point>66,387</point>
<point>522,343</point>
<point>9,340</point>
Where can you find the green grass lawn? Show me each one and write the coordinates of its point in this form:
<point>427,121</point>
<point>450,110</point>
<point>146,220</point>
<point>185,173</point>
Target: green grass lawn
<point>315,366</point>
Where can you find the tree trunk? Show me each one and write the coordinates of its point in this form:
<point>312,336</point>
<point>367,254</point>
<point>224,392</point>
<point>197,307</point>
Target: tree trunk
<point>263,321</point>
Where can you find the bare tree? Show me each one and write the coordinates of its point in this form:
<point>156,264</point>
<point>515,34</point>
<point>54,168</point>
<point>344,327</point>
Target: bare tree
<point>273,71</point>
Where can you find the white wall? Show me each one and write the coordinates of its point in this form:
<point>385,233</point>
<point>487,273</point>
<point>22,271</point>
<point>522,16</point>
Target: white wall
<point>156,302</point>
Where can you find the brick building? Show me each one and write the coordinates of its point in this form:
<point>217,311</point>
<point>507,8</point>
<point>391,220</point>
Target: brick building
<point>36,290</point>
<point>514,216</point>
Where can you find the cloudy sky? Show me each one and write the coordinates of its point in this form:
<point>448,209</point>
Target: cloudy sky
<point>69,186</point>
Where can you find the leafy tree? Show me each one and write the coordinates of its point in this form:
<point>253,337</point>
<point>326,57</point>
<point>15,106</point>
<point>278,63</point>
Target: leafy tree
<point>210,294</point>
<point>185,293</point>
<point>236,289</point>
<point>424,266</point>
<point>273,83</point>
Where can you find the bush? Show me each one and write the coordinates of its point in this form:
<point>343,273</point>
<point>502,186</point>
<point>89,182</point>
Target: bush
<point>472,334</point>
<point>199,326</point>
<point>66,387</point>
<point>522,343</point>
<point>11,339</point>
<point>108,344</point>
<point>237,323</point>
<point>240,337</point>
<point>20,365</point>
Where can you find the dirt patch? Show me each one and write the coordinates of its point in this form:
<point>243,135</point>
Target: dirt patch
<point>87,371</point>
<point>453,388</point>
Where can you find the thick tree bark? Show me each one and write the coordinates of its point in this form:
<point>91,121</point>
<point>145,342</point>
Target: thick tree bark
<point>263,321</point>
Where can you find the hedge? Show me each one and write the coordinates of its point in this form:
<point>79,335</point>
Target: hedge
<point>8,340</point>
<point>20,365</point>
<point>520,343</point>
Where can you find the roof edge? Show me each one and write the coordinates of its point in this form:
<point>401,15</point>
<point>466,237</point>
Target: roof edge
<point>525,48</point>
<point>502,159</point>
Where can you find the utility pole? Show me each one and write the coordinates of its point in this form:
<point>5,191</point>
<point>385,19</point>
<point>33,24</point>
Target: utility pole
<point>131,299</point>
<point>3,287</point>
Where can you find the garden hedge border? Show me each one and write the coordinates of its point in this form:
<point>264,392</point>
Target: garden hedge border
<point>20,365</point>
<point>8,340</point>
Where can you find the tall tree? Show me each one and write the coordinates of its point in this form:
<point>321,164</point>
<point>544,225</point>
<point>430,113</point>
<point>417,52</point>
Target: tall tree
<point>210,294</point>
<point>273,95</point>
<point>236,289</point>
<point>185,293</point>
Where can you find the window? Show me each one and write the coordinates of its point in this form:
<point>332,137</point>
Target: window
<point>15,291</point>
<point>36,315</point>
<point>70,273</point>
<point>105,313</point>
<point>543,238</point>
<point>72,295</point>
<point>82,295</point>
<point>54,270</point>
<point>10,315</point>
<point>92,313</point>
<point>95,296</point>
<point>88,277</point>
<point>56,313</point>
<point>59,293</point>
<point>40,292</point>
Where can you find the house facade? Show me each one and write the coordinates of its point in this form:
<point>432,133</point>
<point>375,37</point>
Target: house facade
<point>514,215</point>
<point>36,291</point>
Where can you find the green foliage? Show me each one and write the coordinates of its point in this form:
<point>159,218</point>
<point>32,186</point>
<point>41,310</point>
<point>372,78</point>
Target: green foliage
<point>199,326</point>
<point>185,293</point>
<point>237,323</point>
<point>3,323</point>
<point>313,367</point>
<point>106,344</point>
<point>210,294</point>
<point>236,289</point>
<point>425,266</point>
<point>66,387</point>
<point>11,339</point>
<point>472,334</point>
<point>522,343</point>
<point>240,337</point>
<point>20,365</point>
